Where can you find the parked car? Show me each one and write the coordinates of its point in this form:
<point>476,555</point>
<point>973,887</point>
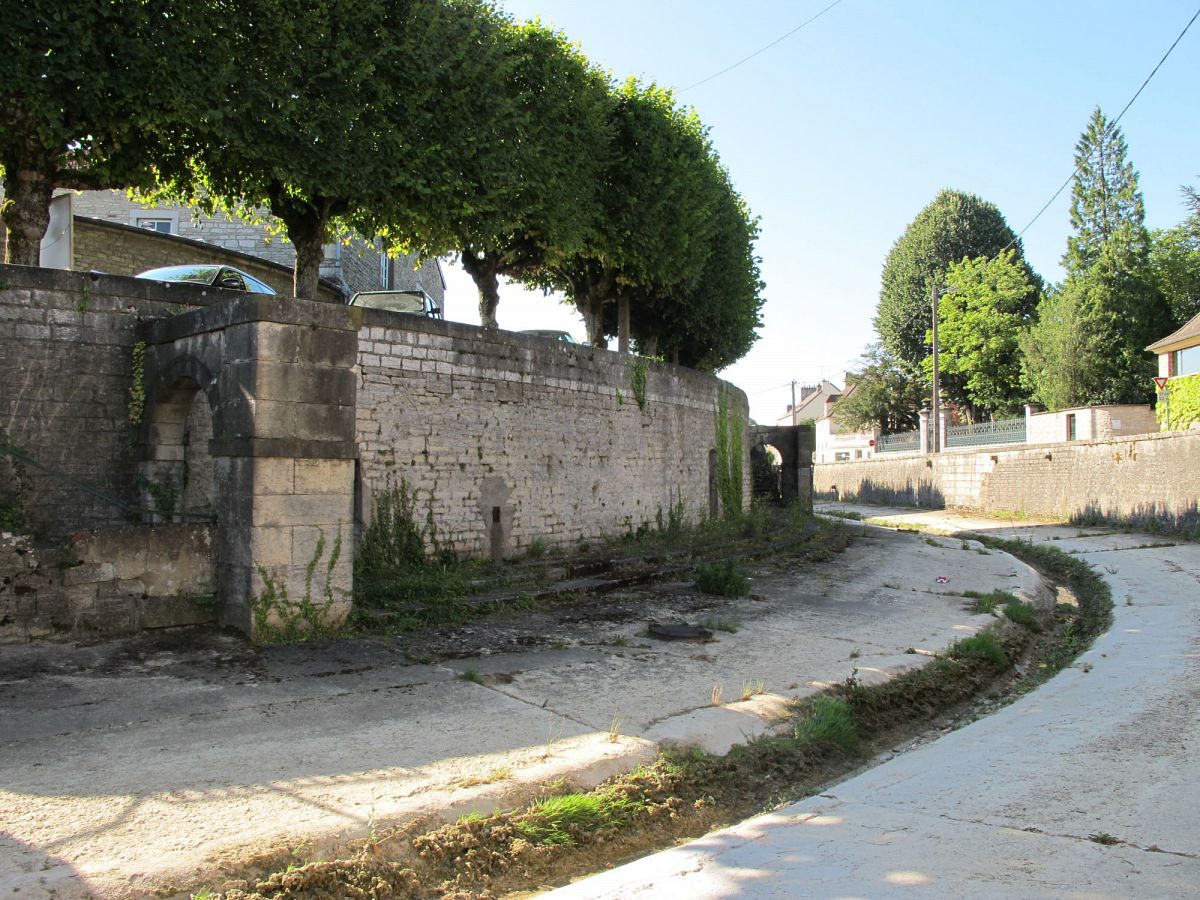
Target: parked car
<point>551,334</point>
<point>212,274</point>
<point>416,302</point>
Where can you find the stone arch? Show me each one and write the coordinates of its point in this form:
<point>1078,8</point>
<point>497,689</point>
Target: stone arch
<point>795,445</point>
<point>176,473</point>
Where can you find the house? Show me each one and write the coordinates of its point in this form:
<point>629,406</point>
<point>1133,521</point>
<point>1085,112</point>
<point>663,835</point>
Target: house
<point>1179,353</point>
<point>108,232</point>
<point>835,444</point>
<point>1179,362</point>
<point>811,403</point>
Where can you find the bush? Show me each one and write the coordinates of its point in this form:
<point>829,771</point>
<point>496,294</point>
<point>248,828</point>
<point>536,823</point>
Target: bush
<point>725,579</point>
<point>982,646</point>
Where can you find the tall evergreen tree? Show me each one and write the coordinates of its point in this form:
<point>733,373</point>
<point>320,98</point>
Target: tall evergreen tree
<point>1105,201</point>
<point>1111,292</point>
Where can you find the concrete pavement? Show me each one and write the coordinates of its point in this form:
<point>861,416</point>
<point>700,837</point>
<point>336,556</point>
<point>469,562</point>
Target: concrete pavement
<point>130,764</point>
<point>1087,788</point>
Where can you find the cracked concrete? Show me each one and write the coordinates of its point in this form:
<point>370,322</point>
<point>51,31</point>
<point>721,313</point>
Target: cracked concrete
<point>1010,805</point>
<point>127,764</point>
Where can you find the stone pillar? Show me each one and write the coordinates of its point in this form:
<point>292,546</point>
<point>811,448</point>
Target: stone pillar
<point>923,428</point>
<point>283,448</point>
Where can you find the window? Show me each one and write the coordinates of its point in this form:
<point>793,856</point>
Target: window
<point>1187,362</point>
<point>842,456</point>
<point>858,454</point>
<point>1070,426</point>
<point>385,271</point>
<point>162,226</point>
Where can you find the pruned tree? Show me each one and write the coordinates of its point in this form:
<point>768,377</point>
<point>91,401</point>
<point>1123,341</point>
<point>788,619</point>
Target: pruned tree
<point>955,226</point>
<point>657,198</point>
<point>539,204</point>
<point>91,95</point>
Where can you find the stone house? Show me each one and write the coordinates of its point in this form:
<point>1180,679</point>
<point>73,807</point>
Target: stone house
<point>108,232</point>
<point>811,403</point>
<point>833,443</point>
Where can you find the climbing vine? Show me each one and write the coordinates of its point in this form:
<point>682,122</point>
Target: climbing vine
<point>137,390</point>
<point>637,382</point>
<point>280,619</point>
<point>729,434</point>
<point>1184,405</point>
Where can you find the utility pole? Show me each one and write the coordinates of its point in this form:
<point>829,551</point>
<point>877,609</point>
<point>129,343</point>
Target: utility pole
<point>935,438</point>
<point>793,402</point>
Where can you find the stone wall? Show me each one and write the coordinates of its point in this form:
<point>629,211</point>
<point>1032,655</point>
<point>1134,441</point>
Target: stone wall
<point>66,376</point>
<point>107,582</point>
<point>547,436</point>
<point>1148,476</point>
<point>123,399</point>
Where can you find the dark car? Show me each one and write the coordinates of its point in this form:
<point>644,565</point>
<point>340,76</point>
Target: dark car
<point>417,302</point>
<point>212,274</point>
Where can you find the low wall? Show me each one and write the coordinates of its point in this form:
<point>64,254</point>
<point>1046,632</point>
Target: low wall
<point>1148,476</point>
<point>549,437</point>
<point>108,582</point>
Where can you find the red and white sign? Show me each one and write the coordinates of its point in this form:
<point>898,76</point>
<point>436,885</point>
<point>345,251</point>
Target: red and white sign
<point>1160,382</point>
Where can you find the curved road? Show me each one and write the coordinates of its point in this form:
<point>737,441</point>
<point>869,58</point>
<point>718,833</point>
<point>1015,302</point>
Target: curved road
<point>1087,788</point>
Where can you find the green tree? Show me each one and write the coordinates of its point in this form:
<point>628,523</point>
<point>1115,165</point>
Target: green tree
<point>1057,352</point>
<point>1105,201</point>
<point>91,95</point>
<point>1175,261</point>
<point>980,320</point>
<point>1110,289</point>
<point>712,323</point>
<point>885,396</point>
<point>955,226</point>
<point>341,118</point>
<point>540,205</point>
<point>658,195</point>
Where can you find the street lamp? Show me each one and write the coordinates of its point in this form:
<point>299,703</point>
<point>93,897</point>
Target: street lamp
<point>935,442</point>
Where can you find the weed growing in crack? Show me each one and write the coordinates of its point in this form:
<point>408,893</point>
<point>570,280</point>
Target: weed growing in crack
<point>724,579</point>
<point>982,646</point>
<point>828,720</point>
<point>1022,614</point>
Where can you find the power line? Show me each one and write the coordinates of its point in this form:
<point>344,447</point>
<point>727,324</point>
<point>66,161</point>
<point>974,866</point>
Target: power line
<point>778,40</point>
<point>1111,127</point>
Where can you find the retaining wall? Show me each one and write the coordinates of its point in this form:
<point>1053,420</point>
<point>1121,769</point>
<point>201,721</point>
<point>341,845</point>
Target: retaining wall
<point>1147,476</point>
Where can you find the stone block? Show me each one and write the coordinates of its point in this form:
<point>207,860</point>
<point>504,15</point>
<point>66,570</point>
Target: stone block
<point>324,476</point>
<point>89,574</point>
<point>274,476</point>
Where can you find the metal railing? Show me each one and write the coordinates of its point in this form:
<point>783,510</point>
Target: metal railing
<point>983,434</point>
<point>898,443</point>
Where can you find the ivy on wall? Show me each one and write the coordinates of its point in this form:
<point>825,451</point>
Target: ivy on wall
<point>730,430</point>
<point>1183,404</point>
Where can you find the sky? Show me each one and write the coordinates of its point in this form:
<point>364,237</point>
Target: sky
<point>841,133</point>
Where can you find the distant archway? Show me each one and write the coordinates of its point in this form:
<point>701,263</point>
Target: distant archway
<point>795,446</point>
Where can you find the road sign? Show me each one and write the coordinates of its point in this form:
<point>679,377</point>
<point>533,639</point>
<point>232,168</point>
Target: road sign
<point>1160,382</point>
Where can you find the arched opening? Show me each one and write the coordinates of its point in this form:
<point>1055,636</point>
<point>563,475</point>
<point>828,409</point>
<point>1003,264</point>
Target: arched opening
<point>766,472</point>
<point>175,480</point>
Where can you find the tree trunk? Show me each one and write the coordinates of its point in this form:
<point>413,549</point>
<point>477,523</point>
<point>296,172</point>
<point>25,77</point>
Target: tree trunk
<point>26,214</point>
<point>484,272</point>
<point>623,324</point>
<point>307,224</point>
<point>650,346</point>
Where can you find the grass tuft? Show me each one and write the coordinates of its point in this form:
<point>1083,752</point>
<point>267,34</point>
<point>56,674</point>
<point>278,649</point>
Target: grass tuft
<point>1022,614</point>
<point>986,604</point>
<point>982,646</point>
<point>558,820</point>
<point>724,578</point>
<point>828,720</point>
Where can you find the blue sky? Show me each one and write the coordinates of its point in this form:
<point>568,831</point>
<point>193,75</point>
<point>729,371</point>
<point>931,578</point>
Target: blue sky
<point>839,135</point>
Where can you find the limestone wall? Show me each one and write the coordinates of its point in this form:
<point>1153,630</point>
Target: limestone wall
<point>1152,475</point>
<point>549,433</point>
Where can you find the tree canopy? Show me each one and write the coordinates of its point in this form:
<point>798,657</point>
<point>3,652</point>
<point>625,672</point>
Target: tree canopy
<point>980,319</point>
<point>955,226</point>
<point>440,126</point>
<point>90,94</point>
<point>885,395</point>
